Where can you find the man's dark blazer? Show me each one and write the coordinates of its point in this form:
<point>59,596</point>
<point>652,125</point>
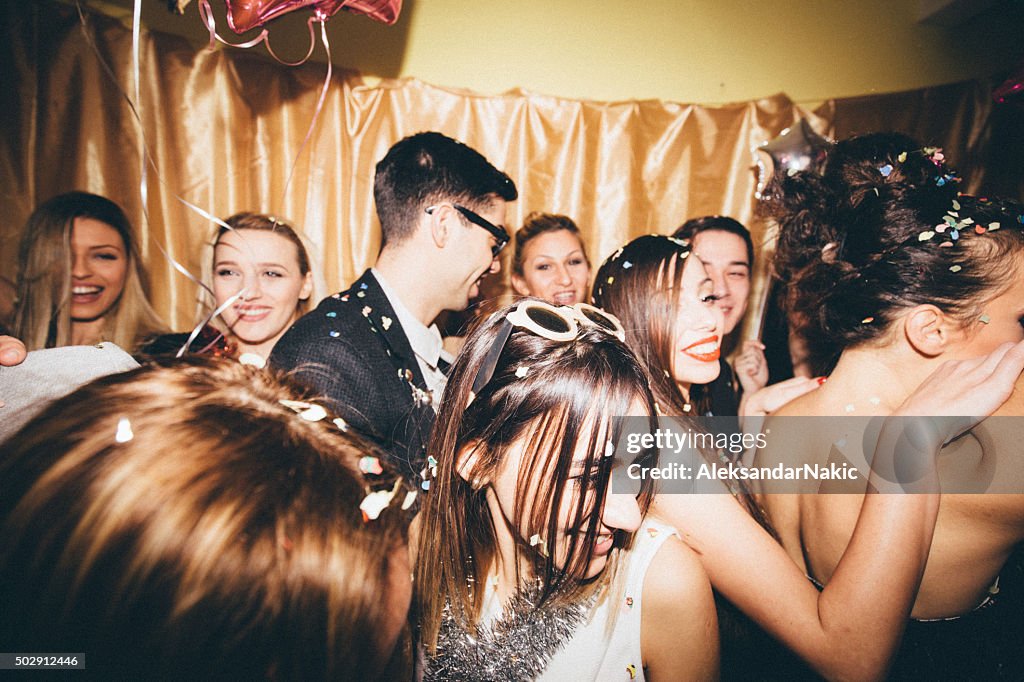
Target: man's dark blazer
<point>352,351</point>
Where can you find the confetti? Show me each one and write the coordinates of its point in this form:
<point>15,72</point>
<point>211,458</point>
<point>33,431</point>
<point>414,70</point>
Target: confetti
<point>385,322</point>
<point>867,320</point>
<point>978,229</point>
<point>535,540</point>
<point>653,532</point>
<point>332,314</point>
<point>954,235</point>
<point>626,265</point>
<point>631,669</point>
<point>344,298</point>
<point>985,319</point>
<point>956,205</point>
<point>363,286</point>
<point>425,485</point>
<point>925,236</point>
<point>370,465</point>
<point>955,268</point>
<point>124,430</point>
<point>629,602</point>
<point>992,227</point>
<point>609,449</point>
<point>522,371</point>
<point>410,497</point>
<point>341,423</point>
<point>377,501</point>
<point>902,157</point>
<point>252,360</point>
<point>334,334</point>
<point>610,280</point>
<point>885,171</point>
<point>367,310</point>
<point>945,245</point>
<point>311,412</point>
<point>361,294</point>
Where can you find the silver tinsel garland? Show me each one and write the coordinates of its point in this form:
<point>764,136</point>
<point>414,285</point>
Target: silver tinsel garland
<point>517,646</point>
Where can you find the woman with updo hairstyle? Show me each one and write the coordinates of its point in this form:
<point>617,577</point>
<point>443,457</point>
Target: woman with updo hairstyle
<point>893,274</point>
<point>80,277</point>
<point>850,629</point>
<point>203,521</point>
<point>550,260</point>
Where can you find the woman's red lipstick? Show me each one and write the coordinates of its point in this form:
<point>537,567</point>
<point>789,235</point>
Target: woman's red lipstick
<point>707,356</point>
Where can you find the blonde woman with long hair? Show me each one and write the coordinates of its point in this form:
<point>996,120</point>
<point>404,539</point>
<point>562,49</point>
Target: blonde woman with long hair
<point>81,279</point>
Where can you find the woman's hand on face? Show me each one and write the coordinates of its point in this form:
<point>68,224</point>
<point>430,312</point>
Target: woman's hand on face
<point>966,391</point>
<point>752,367</point>
<point>12,351</point>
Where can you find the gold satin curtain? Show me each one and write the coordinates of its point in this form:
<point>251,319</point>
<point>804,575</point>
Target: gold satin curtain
<point>224,128</point>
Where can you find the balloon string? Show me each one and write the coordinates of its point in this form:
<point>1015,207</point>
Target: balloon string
<point>148,158</point>
<point>199,327</point>
<point>206,13</point>
<point>319,103</point>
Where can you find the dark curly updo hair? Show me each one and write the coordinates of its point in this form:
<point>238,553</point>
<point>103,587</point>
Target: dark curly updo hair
<point>879,228</point>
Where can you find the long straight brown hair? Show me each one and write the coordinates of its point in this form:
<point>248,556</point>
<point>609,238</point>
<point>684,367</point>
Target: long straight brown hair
<point>561,397</point>
<point>641,284</point>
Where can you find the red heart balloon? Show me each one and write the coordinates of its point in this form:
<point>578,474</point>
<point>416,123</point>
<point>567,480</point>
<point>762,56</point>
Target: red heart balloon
<point>244,15</point>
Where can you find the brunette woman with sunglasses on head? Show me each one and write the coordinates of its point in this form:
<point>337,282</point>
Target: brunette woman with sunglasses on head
<point>528,568</point>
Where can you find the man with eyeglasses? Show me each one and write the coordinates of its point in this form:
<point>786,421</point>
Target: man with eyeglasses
<point>374,351</point>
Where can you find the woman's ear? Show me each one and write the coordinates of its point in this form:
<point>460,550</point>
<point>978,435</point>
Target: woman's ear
<point>519,285</point>
<point>467,462</point>
<point>929,330</point>
<point>307,287</point>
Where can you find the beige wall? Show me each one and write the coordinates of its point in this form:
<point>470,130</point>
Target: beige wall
<point>699,51</point>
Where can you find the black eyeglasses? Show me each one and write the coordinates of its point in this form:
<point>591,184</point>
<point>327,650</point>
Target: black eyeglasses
<point>560,323</point>
<point>498,232</point>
